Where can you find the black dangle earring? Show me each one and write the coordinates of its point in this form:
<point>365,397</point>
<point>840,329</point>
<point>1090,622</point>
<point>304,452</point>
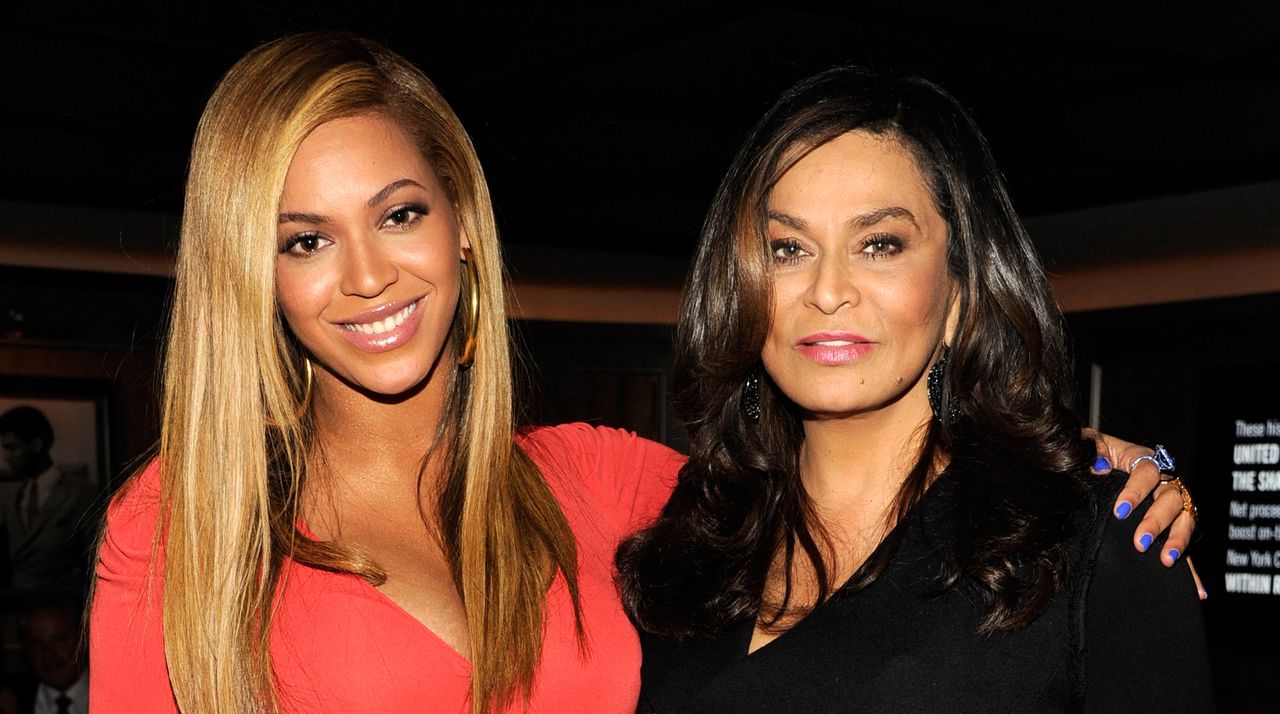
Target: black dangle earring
<point>751,398</point>
<point>938,386</point>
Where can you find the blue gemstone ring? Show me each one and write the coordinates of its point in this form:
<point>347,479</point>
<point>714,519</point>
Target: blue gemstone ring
<point>1161,459</point>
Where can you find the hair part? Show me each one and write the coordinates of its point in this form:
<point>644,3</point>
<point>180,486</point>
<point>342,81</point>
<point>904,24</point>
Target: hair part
<point>739,501</point>
<point>231,488</point>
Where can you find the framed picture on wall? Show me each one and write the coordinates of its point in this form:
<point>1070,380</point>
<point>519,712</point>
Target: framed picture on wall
<point>53,461</point>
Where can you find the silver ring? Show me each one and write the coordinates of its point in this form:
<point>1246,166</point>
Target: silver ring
<point>1161,459</point>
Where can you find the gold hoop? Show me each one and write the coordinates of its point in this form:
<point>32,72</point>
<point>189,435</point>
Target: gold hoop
<point>308,379</point>
<point>471,312</point>
<point>308,376</point>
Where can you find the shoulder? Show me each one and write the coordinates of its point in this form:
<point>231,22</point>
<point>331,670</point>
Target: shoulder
<point>584,448</point>
<point>1133,607</point>
<point>629,477</point>
<point>1104,488</point>
<point>1100,532</point>
<point>128,670</point>
<point>1104,543</point>
<point>131,521</point>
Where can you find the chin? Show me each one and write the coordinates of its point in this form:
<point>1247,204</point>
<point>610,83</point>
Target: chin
<point>392,388</point>
<point>388,380</point>
<point>394,383</point>
<point>827,397</point>
<point>832,411</point>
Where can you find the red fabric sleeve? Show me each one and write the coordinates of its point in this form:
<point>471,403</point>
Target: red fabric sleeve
<point>127,670</point>
<point>630,477</point>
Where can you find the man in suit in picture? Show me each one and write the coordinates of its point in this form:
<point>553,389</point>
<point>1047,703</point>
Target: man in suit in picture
<point>43,509</point>
<point>57,681</point>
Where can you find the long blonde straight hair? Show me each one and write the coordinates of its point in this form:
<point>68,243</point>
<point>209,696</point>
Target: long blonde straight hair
<point>230,486</point>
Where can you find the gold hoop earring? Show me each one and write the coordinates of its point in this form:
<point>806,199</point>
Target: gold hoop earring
<point>471,312</point>
<point>308,378</point>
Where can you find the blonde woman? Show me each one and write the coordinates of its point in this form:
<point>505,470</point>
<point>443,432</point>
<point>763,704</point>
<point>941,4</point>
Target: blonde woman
<point>341,516</point>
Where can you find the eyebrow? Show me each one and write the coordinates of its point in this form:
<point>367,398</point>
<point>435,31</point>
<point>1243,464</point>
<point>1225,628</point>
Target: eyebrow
<point>391,188</point>
<point>377,198</point>
<point>865,220</point>
<point>303,218</point>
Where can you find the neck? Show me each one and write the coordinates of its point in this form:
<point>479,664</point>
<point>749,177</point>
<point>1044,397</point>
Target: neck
<point>853,465</point>
<point>371,447</point>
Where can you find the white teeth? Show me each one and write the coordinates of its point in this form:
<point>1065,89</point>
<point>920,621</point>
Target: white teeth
<point>833,343</point>
<point>378,327</point>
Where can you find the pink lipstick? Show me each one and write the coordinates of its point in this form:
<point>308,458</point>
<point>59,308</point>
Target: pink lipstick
<point>834,348</point>
<point>384,327</point>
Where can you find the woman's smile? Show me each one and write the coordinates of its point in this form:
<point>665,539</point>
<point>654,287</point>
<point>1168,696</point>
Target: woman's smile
<point>834,348</point>
<point>385,327</point>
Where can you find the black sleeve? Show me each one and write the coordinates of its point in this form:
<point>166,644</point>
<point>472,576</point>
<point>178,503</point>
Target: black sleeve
<point>1144,641</point>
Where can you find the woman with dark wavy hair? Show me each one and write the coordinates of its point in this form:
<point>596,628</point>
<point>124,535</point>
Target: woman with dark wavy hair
<point>887,504</point>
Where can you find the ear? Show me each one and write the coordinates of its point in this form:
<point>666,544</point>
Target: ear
<point>953,315</point>
<point>463,241</point>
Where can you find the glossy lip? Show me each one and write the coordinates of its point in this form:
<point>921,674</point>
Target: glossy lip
<point>387,340</point>
<point>854,347</point>
<point>380,312</point>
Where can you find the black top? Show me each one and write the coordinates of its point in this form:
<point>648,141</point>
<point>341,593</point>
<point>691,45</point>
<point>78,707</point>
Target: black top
<point>1125,635</point>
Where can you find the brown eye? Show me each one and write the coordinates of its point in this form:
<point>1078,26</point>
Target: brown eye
<point>305,244</point>
<point>882,246</point>
<point>404,216</point>
<point>786,251</point>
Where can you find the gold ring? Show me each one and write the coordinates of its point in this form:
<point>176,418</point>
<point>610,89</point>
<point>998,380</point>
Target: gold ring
<point>1188,506</point>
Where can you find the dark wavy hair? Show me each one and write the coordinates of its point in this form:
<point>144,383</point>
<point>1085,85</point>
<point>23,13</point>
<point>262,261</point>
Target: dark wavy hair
<point>1015,451</point>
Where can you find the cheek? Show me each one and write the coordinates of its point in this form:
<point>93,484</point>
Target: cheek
<point>299,293</point>
<point>923,301</point>
<point>435,264</point>
<point>787,304</point>
<point>777,344</point>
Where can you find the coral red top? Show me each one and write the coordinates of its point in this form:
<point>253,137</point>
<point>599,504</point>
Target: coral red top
<point>338,644</point>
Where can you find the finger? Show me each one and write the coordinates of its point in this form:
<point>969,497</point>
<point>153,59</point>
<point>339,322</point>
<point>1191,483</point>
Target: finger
<point>1144,478</point>
<point>1102,464</point>
<point>1118,452</point>
<point>1204,594</point>
<point>1167,507</point>
<point>1179,538</point>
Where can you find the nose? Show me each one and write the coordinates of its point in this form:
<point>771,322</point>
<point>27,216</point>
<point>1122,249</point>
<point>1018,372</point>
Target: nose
<point>367,269</point>
<point>833,285</point>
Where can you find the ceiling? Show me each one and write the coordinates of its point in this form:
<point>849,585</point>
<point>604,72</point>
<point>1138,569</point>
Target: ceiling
<point>605,127</point>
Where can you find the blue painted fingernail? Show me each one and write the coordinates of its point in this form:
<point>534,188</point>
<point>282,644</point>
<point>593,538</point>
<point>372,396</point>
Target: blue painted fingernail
<point>1173,554</point>
<point>1101,464</point>
<point>1123,510</point>
<point>1145,541</point>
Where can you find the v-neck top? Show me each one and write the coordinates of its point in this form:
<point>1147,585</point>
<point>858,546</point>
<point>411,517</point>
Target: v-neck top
<point>1123,635</point>
<point>339,645</point>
